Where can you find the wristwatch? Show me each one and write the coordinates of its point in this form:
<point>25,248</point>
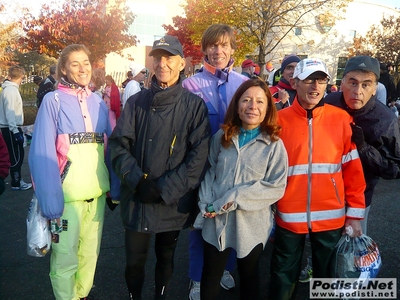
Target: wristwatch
<point>210,208</point>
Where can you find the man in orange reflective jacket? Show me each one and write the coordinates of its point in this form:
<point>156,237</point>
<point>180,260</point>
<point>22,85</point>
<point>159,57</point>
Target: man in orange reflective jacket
<point>325,189</point>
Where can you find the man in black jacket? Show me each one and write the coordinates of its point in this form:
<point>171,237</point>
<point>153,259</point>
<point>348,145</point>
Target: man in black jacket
<point>375,128</point>
<point>159,150</point>
<point>46,85</point>
<point>387,80</point>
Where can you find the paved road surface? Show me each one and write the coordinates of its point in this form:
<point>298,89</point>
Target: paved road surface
<point>24,277</point>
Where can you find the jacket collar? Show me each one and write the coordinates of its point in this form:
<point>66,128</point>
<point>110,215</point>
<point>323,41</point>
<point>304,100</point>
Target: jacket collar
<point>219,73</point>
<point>363,110</point>
<point>308,113</point>
<point>264,137</point>
<point>167,94</point>
<point>284,84</point>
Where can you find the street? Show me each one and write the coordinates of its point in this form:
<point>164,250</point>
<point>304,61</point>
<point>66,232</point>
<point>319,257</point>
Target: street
<point>25,277</point>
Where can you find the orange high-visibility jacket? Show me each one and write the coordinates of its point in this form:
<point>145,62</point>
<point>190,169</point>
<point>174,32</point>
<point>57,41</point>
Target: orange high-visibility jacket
<point>325,178</point>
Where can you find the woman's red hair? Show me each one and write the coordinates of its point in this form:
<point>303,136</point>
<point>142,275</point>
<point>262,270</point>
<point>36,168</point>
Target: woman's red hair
<point>232,122</point>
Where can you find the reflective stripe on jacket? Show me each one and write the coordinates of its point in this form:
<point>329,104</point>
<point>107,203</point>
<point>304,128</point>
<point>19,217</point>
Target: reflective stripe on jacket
<point>325,180</point>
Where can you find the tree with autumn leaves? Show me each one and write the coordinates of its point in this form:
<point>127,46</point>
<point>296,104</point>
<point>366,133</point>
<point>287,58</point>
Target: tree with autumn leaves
<point>101,27</point>
<point>381,41</point>
<point>260,25</point>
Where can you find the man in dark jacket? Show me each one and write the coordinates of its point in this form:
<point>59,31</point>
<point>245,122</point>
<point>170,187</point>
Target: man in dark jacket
<point>375,128</point>
<point>159,151</point>
<point>283,92</point>
<point>46,85</point>
<point>387,80</point>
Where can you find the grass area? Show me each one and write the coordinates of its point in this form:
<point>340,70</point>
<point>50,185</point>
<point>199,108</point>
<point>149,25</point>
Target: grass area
<point>30,115</point>
<point>28,91</point>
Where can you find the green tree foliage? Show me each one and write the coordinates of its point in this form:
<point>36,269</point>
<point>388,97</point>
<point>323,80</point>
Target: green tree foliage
<point>102,28</point>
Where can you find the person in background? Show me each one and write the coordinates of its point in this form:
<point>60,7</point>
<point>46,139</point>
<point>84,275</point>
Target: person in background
<point>37,80</point>
<point>381,94</point>
<point>271,70</point>
<point>248,67</point>
<point>129,77</point>
<point>159,151</point>
<point>247,175</point>
<point>11,120</point>
<point>325,185</point>
<point>216,82</point>
<point>96,86</point>
<point>46,86</point>
<point>98,81</point>
<point>334,88</point>
<point>375,127</point>
<point>283,92</point>
<point>112,98</point>
<point>387,80</point>
<point>69,173</point>
<point>139,74</point>
<point>4,163</point>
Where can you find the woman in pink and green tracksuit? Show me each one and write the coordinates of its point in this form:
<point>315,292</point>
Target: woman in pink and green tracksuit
<point>69,172</point>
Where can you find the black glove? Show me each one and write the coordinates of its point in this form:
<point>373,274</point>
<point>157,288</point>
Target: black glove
<point>357,136</point>
<point>2,185</point>
<point>18,137</point>
<point>147,191</point>
<point>112,204</point>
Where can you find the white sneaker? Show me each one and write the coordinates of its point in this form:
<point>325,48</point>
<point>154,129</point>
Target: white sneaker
<point>23,186</point>
<point>227,281</point>
<point>194,293</point>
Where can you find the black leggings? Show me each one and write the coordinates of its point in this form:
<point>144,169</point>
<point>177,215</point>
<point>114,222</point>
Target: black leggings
<point>137,246</point>
<point>213,268</point>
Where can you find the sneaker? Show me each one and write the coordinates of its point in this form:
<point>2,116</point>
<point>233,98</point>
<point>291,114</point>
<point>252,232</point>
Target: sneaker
<point>227,281</point>
<point>307,273</point>
<point>87,298</point>
<point>194,293</point>
<point>23,186</point>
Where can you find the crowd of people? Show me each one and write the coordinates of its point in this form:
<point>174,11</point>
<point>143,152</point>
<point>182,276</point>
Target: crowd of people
<point>231,156</point>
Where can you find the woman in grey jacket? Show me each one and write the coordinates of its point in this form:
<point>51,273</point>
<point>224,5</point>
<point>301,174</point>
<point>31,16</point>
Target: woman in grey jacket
<point>247,175</point>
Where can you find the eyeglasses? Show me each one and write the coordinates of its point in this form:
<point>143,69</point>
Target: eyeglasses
<point>319,80</point>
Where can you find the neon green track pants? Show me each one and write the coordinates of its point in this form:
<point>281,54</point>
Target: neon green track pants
<point>73,260</point>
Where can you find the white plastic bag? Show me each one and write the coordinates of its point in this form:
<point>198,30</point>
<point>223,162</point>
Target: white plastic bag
<point>38,231</point>
<point>356,257</point>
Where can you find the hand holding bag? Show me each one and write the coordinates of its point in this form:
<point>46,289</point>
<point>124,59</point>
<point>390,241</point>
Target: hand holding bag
<point>356,257</point>
<point>38,231</point>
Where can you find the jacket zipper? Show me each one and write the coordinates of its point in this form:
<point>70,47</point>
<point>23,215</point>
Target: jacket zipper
<point>336,191</point>
<point>310,148</point>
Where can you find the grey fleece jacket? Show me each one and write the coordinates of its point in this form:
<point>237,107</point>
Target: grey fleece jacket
<point>252,178</point>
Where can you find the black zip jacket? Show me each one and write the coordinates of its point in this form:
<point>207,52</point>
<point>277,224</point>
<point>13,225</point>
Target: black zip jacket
<point>164,134</point>
<point>380,155</point>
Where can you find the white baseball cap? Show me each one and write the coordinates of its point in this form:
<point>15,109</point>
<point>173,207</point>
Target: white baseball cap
<point>136,68</point>
<point>308,66</point>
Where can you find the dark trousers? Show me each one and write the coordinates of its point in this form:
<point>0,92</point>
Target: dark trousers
<point>137,246</point>
<point>213,268</point>
<point>287,256</point>
<point>16,153</point>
